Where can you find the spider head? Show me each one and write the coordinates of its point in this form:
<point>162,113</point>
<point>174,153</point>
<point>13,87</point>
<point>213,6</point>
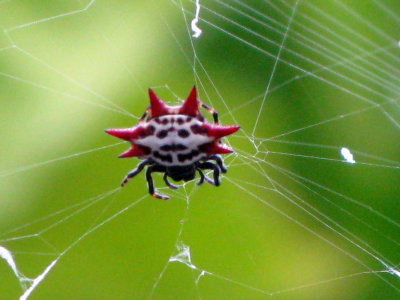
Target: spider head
<point>178,173</point>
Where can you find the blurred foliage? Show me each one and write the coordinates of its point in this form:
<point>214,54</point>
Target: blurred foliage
<point>69,68</point>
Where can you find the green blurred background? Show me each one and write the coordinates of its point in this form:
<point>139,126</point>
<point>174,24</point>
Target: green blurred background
<point>283,222</point>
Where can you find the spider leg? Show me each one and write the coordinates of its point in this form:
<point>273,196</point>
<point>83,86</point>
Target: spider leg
<point>150,183</point>
<point>145,114</point>
<point>170,185</point>
<point>211,111</point>
<point>219,162</point>
<point>203,177</point>
<point>135,171</point>
<point>213,167</point>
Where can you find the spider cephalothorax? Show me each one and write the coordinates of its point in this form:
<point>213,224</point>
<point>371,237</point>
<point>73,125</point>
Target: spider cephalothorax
<point>176,141</point>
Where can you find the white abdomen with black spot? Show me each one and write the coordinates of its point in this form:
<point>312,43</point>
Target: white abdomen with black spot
<point>173,142</point>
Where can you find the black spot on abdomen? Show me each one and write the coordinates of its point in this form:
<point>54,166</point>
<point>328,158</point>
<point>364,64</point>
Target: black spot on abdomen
<point>145,149</point>
<point>162,134</point>
<point>180,147</point>
<point>188,156</point>
<point>163,157</point>
<point>196,129</point>
<point>166,148</point>
<point>183,133</point>
<point>150,130</point>
<point>173,147</point>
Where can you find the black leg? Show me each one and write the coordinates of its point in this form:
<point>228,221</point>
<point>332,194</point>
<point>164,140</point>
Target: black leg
<point>214,167</point>
<point>170,185</point>
<point>145,114</point>
<point>150,183</point>
<point>219,161</point>
<point>135,171</point>
<point>204,178</point>
<point>211,111</point>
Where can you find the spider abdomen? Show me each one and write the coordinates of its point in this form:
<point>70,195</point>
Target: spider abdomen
<point>174,140</point>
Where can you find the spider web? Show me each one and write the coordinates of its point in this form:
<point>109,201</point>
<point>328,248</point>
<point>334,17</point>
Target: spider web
<point>308,208</point>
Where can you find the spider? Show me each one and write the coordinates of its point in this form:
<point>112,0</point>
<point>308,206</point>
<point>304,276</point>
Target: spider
<point>176,141</point>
